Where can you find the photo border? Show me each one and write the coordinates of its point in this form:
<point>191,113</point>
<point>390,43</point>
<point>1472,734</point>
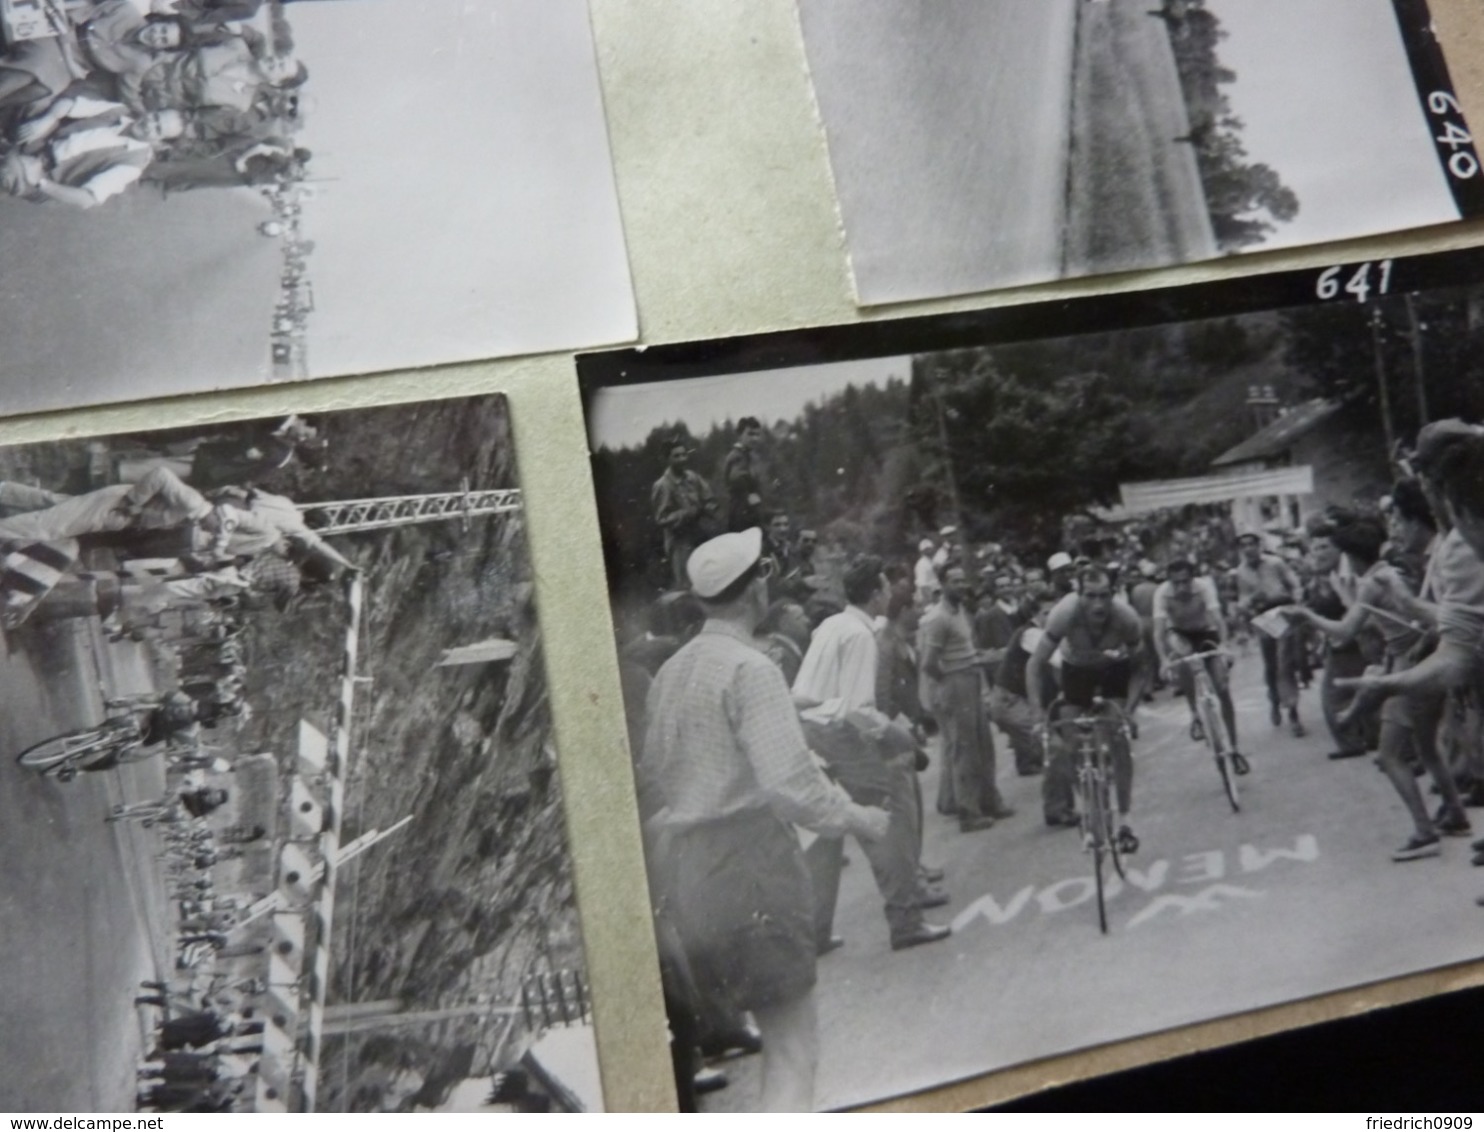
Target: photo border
<point>1064,318</point>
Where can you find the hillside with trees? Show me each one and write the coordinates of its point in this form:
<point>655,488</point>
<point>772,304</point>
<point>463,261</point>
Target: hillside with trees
<point>1247,199</point>
<point>1009,441</point>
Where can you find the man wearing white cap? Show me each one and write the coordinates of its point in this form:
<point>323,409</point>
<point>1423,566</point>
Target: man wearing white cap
<point>1060,569</point>
<point>726,768</point>
<point>947,553</point>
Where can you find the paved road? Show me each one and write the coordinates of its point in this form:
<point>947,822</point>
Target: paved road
<point>948,130</point>
<point>1294,896</point>
<point>144,296</point>
<point>75,900</point>
<point>1134,195</point>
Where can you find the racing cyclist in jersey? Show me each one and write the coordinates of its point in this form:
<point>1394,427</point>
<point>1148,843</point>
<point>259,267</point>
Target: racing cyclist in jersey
<point>1188,620</point>
<point>174,715</point>
<point>1102,647</point>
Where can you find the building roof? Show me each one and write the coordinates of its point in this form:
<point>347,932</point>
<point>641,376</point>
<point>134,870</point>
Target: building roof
<point>1278,436</point>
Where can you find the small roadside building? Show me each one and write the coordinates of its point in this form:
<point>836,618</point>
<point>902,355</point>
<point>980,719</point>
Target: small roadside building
<point>1349,466</point>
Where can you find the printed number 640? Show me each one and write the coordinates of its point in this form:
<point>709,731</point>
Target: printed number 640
<point>1462,164</point>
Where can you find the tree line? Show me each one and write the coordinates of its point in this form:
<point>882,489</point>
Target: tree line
<point>1008,441</point>
<point>1245,198</point>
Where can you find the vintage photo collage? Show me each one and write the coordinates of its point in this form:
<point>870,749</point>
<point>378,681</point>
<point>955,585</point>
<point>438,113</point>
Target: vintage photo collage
<point>976,684</point>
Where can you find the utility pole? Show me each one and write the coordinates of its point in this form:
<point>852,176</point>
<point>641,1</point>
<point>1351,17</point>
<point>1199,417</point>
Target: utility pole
<point>1419,377</point>
<point>1383,393</point>
<point>938,379</point>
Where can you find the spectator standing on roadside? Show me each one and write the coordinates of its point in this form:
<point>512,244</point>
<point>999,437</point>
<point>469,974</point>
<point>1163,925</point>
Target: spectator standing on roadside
<point>683,509</point>
<point>743,475</point>
<point>727,770</point>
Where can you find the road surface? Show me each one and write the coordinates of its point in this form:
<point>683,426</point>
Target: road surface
<point>144,296</point>
<point>76,900</point>
<point>1224,912</point>
<point>948,132</point>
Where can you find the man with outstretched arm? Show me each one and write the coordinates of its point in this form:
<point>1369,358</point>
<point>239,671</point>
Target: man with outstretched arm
<point>726,774</point>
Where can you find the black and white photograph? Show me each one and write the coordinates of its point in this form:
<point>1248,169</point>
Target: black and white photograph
<point>1005,685</point>
<point>281,810</point>
<point>207,194</point>
<point>982,144</point>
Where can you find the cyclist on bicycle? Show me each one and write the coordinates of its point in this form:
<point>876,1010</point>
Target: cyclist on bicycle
<point>1188,620</point>
<point>1102,644</point>
<point>148,724</point>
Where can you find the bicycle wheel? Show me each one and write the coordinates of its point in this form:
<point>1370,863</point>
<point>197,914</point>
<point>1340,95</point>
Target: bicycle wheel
<point>1221,748</point>
<point>1110,812</point>
<point>1110,829</point>
<point>51,755</point>
<point>1096,822</point>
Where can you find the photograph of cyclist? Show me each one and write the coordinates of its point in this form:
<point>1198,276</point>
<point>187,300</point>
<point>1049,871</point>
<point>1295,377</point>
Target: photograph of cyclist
<point>979,144</point>
<point>1187,620</point>
<point>200,195</point>
<point>1101,642</point>
<point>276,742</point>
<point>1076,498</point>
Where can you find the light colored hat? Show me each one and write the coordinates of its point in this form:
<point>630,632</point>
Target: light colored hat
<point>1148,568</point>
<point>946,531</point>
<point>925,544</point>
<point>1255,536</point>
<point>1058,561</point>
<point>716,564</point>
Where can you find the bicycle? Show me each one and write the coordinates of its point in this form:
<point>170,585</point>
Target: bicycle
<point>1213,723</point>
<point>109,744</point>
<point>1090,736</point>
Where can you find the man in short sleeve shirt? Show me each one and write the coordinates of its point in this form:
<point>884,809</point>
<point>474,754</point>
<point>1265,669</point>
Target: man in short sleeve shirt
<point>954,668</point>
<point>725,770</point>
<point>1263,582</point>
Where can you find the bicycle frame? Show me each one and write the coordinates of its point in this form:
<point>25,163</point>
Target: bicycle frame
<point>1213,723</point>
<point>1090,737</point>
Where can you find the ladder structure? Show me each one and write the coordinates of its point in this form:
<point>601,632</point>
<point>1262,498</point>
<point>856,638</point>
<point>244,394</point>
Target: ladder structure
<point>309,860</point>
<point>347,516</point>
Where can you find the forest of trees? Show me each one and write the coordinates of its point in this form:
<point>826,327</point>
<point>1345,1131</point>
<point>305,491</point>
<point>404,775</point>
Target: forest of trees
<point>1246,199</point>
<point>1008,441</point>
<point>1425,350</point>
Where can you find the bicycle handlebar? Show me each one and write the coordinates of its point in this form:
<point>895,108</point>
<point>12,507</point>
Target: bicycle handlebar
<point>1086,721</point>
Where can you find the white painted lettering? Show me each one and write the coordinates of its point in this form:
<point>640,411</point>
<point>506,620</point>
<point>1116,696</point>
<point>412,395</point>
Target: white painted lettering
<point>1254,859</point>
<point>1202,867</point>
<point>1081,890</point>
<point>988,907</point>
<point>1148,881</point>
<point>1207,900</point>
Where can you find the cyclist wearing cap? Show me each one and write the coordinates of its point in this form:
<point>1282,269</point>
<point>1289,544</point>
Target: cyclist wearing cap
<point>1187,620</point>
<point>1101,640</point>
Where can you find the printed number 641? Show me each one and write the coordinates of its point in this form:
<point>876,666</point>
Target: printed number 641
<point>1359,283</point>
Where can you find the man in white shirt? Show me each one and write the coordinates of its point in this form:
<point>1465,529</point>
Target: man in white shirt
<point>838,675</point>
<point>925,574</point>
